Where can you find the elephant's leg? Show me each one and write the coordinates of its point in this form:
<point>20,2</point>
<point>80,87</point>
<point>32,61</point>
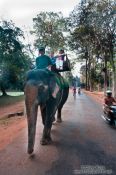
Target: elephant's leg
<point>46,137</point>
<point>62,102</point>
<point>43,113</point>
<point>51,108</point>
<point>59,119</point>
<point>31,109</point>
<point>54,118</point>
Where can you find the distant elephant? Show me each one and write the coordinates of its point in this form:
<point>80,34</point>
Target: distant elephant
<point>49,90</point>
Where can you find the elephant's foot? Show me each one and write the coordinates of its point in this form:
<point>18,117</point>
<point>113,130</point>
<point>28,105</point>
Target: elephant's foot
<point>53,119</point>
<point>30,150</point>
<point>46,141</point>
<point>59,120</point>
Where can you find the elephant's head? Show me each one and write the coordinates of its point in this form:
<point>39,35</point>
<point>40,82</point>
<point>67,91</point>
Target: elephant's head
<point>45,83</point>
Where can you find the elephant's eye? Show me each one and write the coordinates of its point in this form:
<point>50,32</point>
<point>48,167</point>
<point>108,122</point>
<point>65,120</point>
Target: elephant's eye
<point>43,87</point>
<point>40,87</point>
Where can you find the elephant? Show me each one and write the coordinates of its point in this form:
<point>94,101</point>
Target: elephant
<point>49,91</point>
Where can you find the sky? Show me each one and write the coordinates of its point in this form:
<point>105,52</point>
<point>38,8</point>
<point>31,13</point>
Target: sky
<point>21,12</point>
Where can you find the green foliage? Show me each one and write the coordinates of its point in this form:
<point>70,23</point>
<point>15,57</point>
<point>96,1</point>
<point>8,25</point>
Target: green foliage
<point>92,26</point>
<point>92,29</point>
<point>96,76</point>
<point>9,41</point>
<point>8,100</point>
<point>13,61</point>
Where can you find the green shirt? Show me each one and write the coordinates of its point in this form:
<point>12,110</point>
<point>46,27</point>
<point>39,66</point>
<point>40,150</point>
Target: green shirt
<point>43,62</point>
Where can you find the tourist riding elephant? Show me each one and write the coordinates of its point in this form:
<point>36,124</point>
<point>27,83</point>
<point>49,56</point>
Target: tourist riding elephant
<point>50,91</point>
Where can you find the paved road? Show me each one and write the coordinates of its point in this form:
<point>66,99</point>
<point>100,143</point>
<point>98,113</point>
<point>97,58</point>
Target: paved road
<point>82,144</point>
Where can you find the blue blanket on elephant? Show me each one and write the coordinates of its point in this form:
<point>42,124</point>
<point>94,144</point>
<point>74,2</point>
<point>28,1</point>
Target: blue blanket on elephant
<point>62,83</point>
<point>44,75</point>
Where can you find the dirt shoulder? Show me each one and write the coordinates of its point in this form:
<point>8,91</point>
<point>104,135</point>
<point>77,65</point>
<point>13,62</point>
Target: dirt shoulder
<point>12,121</point>
<point>10,129</point>
<point>13,109</point>
<point>97,96</point>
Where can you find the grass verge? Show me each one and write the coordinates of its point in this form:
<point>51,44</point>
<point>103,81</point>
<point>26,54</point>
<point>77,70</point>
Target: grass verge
<point>10,99</point>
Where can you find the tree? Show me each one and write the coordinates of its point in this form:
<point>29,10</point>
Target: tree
<point>69,77</point>
<point>92,31</point>
<point>48,28</point>
<point>12,58</point>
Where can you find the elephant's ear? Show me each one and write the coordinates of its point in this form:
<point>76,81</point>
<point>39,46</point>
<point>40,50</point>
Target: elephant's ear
<point>54,88</point>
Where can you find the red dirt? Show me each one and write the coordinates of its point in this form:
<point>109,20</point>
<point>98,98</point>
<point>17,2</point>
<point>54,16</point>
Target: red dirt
<point>9,130</point>
<point>11,127</point>
<point>97,96</point>
<point>11,109</point>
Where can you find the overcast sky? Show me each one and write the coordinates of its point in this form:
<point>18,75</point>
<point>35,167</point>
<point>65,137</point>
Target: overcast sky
<point>21,12</point>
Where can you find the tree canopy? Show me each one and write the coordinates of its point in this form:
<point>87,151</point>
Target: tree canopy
<point>48,28</point>
<point>92,33</point>
<point>12,58</point>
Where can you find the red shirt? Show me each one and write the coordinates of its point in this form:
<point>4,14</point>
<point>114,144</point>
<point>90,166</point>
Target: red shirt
<point>74,89</point>
<point>109,101</point>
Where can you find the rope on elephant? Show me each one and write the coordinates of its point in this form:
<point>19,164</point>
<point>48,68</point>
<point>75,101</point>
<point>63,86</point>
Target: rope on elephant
<point>61,81</point>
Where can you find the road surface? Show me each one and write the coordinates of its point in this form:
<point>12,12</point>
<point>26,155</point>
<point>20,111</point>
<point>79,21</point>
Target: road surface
<point>82,144</point>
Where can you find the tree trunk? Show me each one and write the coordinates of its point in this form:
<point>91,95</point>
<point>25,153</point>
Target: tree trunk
<point>112,61</point>
<point>3,91</point>
<point>86,75</point>
<point>114,83</point>
<point>105,76</point>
